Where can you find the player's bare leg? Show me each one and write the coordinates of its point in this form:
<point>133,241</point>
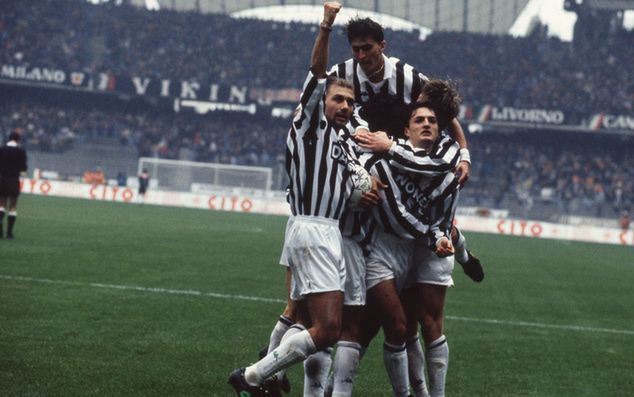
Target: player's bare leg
<point>415,353</point>
<point>324,310</point>
<point>430,313</point>
<point>348,354</point>
<point>383,298</point>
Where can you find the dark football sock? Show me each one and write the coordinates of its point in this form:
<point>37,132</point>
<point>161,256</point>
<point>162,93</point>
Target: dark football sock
<point>11,221</point>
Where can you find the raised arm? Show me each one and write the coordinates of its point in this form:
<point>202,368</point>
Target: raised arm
<point>319,57</point>
<point>315,84</point>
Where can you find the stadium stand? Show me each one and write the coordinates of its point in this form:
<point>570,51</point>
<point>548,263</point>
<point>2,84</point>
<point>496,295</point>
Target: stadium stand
<point>541,173</point>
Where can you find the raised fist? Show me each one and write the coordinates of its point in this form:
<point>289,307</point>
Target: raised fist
<point>331,8</point>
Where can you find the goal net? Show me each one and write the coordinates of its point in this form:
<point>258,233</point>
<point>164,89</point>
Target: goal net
<point>190,176</point>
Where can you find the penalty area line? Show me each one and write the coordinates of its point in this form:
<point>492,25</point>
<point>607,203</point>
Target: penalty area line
<point>270,300</point>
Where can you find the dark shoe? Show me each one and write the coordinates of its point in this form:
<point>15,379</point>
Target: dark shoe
<point>10,236</point>
<point>242,388</point>
<point>473,268</point>
<point>274,386</point>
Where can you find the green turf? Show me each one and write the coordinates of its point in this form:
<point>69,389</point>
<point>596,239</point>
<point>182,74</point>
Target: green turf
<point>65,330</point>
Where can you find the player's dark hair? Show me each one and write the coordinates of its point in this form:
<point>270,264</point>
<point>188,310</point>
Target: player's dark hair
<point>442,97</point>
<point>358,28</point>
<point>14,136</point>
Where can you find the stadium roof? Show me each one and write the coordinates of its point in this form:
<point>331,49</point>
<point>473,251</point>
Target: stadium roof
<point>313,14</point>
<point>516,17</point>
<point>491,16</point>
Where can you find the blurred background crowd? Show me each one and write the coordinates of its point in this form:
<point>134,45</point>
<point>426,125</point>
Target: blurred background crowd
<point>526,171</point>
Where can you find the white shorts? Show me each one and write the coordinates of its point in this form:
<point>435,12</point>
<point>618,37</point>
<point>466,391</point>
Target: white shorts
<point>354,292</point>
<point>428,268</point>
<point>283,260</point>
<point>314,251</point>
<point>390,258</point>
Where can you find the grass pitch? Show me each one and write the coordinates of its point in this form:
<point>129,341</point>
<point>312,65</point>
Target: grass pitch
<point>110,299</point>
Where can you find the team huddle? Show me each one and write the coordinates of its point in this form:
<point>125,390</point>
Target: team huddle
<point>376,159</point>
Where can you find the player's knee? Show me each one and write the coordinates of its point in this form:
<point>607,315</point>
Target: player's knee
<point>330,332</point>
<point>412,328</point>
<point>396,332</point>
<point>432,329</point>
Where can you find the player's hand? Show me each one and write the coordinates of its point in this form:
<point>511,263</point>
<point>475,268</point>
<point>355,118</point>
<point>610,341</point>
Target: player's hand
<point>372,198</point>
<point>444,247</point>
<point>462,172</point>
<point>331,8</point>
<point>377,141</point>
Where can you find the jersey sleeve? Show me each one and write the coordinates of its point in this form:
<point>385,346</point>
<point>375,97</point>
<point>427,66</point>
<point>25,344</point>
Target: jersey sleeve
<point>310,109</point>
<point>392,213</point>
<point>442,208</point>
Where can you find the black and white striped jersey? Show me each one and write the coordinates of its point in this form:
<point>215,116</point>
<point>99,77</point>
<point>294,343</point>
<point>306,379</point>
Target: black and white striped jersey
<point>317,160</point>
<point>417,205</point>
<point>443,157</point>
<point>383,105</point>
<point>440,161</point>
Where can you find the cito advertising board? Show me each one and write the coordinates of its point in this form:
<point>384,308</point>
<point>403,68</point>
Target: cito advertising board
<point>273,203</point>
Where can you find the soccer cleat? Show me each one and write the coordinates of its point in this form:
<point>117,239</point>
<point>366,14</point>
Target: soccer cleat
<point>242,388</point>
<point>473,268</point>
<point>10,236</point>
<point>274,386</point>
<point>271,388</point>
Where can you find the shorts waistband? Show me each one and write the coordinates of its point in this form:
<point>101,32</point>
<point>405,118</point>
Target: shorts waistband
<point>317,219</point>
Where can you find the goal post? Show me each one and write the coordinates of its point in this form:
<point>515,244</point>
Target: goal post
<point>192,176</point>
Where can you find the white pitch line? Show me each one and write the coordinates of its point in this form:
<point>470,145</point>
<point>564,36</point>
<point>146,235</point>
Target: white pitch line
<point>145,289</point>
<point>541,325</point>
<point>269,300</point>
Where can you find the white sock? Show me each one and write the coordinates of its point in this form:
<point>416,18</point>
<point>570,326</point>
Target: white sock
<point>345,367</point>
<point>282,325</point>
<point>316,368</point>
<point>437,355</point>
<point>290,351</point>
<point>293,330</point>
<point>461,248</point>
<point>395,360</point>
<point>416,367</point>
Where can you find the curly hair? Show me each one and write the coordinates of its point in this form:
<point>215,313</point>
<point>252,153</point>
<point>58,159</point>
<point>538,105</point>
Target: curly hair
<point>442,97</point>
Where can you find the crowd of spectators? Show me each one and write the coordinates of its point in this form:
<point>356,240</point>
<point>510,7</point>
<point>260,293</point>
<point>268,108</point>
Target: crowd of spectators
<point>584,176</point>
<point>531,72</point>
<point>578,175</point>
<point>218,139</point>
<point>593,176</point>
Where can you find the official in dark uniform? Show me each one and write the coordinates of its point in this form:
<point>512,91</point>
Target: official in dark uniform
<point>12,163</point>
